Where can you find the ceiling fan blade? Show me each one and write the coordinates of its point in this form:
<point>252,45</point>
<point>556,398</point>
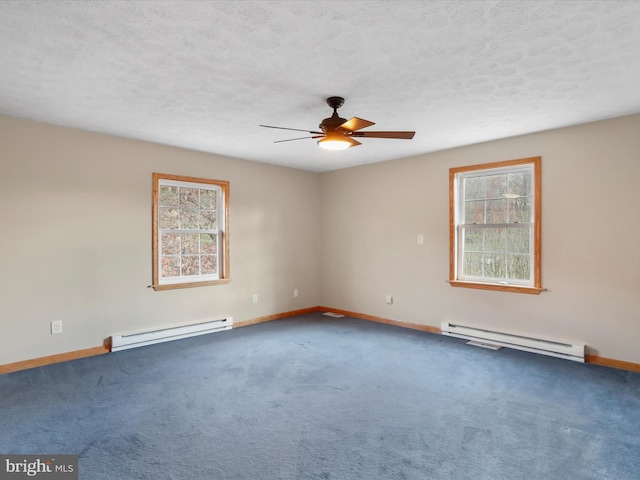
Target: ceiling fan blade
<point>299,138</point>
<point>401,135</point>
<point>354,143</point>
<point>356,123</point>
<point>294,129</point>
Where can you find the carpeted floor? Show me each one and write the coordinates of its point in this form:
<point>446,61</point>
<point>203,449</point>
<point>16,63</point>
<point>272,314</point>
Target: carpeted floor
<point>313,397</point>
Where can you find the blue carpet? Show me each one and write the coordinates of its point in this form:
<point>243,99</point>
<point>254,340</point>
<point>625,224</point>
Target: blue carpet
<point>318,398</point>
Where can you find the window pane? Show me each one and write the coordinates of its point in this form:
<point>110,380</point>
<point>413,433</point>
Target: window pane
<point>170,266</point>
<point>472,264</point>
<point>189,197</point>
<point>520,184</point>
<point>208,199</point>
<point>190,265</point>
<point>170,244</point>
<point>496,186</point>
<point>207,219</point>
<point>190,244</point>
<point>472,239</point>
<point>520,210</point>
<point>209,264</point>
<point>189,219</point>
<point>474,188</point>
<point>208,243</point>
<point>497,211</point>
<point>168,196</point>
<point>495,266</point>
<point>520,267</point>
<point>518,240</point>
<point>474,212</point>
<point>168,218</point>
<point>494,240</point>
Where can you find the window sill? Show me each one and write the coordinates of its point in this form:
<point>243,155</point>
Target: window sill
<point>174,286</point>
<point>498,286</point>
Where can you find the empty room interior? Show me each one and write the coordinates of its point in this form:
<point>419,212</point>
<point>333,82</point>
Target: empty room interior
<point>112,112</point>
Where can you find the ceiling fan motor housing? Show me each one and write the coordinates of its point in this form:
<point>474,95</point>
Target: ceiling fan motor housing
<point>334,121</point>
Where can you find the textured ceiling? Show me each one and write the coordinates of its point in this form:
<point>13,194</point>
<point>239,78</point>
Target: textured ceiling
<point>204,74</point>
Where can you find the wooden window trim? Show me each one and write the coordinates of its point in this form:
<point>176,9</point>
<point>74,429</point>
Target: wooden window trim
<point>224,271</point>
<point>536,288</point>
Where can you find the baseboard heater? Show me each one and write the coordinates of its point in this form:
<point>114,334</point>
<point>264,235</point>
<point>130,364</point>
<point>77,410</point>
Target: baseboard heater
<point>132,340</point>
<point>528,344</point>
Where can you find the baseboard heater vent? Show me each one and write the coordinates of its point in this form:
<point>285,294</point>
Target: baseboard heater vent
<point>124,342</point>
<point>528,344</point>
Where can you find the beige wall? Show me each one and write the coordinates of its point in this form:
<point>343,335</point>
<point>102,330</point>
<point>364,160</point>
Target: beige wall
<point>590,251</point>
<point>75,241</point>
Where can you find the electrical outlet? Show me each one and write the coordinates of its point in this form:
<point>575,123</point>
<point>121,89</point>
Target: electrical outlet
<point>389,299</point>
<point>420,239</point>
<point>56,327</point>
<point>254,299</point>
<point>295,293</point>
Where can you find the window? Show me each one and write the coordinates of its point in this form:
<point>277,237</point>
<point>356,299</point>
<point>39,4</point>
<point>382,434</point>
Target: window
<point>190,232</point>
<point>494,226</point>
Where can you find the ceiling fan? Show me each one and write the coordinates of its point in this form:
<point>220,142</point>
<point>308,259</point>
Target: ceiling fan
<point>338,133</point>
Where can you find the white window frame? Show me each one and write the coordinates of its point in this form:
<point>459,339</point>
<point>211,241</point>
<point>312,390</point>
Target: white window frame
<point>221,188</point>
<point>457,277</point>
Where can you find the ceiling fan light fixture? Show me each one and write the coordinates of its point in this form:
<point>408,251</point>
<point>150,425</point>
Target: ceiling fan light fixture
<point>334,143</point>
